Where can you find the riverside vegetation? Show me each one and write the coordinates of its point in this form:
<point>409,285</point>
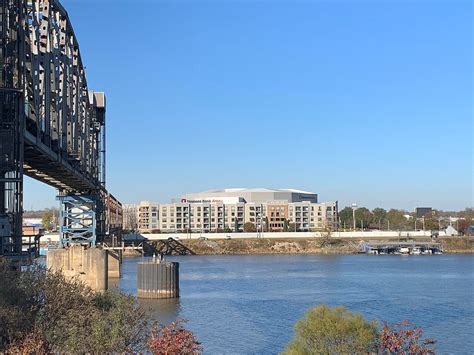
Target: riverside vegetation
<point>325,330</point>
<point>42,312</point>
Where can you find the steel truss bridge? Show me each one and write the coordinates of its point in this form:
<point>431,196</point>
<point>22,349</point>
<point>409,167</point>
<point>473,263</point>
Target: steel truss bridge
<point>52,127</point>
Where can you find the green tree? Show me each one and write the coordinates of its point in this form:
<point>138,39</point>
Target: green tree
<point>432,222</point>
<point>345,216</point>
<point>378,218</point>
<point>363,217</point>
<point>397,220</point>
<point>292,227</point>
<point>47,219</point>
<point>325,330</point>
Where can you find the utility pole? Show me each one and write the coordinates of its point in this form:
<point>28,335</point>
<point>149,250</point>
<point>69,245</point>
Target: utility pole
<point>388,222</point>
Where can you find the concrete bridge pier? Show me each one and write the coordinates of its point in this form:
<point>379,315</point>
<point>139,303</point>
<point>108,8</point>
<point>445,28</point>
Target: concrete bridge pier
<point>114,263</point>
<point>158,279</point>
<point>89,265</point>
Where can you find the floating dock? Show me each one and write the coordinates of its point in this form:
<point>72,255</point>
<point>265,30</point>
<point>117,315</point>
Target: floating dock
<point>402,248</point>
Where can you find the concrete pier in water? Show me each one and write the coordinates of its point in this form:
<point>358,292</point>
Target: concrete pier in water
<point>158,279</point>
<point>89,265</point>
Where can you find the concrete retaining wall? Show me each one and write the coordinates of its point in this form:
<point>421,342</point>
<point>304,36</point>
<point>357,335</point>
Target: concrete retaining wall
<point>286,235</point>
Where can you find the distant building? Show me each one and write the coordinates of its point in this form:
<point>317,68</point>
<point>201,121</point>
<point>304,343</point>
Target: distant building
<point>450,231</point>
<point>32,222</point>
<point>231,209</point>
<point>258,195</point>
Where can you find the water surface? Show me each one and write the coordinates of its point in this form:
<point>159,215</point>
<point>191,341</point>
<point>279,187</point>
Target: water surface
<point>249,304</point>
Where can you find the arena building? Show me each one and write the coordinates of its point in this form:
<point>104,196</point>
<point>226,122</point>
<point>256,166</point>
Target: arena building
<point>260,195</point>
<point>234,210</point>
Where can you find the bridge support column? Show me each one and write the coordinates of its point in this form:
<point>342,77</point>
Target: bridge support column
<point>12,123</point>
<point>89,265</point>
<point>77,220</point>
<point>158,280</point>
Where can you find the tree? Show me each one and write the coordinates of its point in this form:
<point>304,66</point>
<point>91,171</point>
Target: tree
<point>47,219</point>
<point>173,339</point>
<point>378,217</point>
<point>345,215</point>
<point>401,339</point>
<point>363,217</point>
<point>467,214</point>
<point>325,330</point>
<point>432,223</point>
<point>292,227</point>
<point>266,225</point>
<point>463,226</point>
<point>236,225</point>
<point>397,220</point>
<point>249,227</point>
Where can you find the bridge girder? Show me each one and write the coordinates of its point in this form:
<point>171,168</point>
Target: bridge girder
<point>52,127</point>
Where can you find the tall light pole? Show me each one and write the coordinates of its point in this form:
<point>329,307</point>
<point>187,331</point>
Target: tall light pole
<point>354,206</point>
<point>258,223</point>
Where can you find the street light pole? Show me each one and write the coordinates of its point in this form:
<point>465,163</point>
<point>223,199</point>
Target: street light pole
<point>354,206</point>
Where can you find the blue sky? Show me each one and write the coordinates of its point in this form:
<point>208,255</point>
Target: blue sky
<point>358,101</point>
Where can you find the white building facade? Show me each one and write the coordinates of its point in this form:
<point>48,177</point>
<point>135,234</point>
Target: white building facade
<point>234,210</point>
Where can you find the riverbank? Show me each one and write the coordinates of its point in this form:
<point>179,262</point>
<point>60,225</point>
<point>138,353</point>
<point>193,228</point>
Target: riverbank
<point>304,246</point>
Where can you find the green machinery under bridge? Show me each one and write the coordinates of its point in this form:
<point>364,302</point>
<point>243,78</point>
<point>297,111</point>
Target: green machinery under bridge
<point>52,127</point>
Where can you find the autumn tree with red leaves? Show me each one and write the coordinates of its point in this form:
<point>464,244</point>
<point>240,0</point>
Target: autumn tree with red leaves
<point>400,339</point>
<point>173,339</point>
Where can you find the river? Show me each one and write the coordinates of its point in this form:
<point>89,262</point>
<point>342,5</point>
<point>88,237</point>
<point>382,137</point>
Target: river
<point>249,304</point>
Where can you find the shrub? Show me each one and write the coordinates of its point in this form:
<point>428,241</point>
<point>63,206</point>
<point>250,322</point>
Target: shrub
<point>173,339</point>
<point>42,311</point>
<point>401,339</point>
<point>325,330</point>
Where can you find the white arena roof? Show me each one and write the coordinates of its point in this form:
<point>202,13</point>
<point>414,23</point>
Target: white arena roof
<point>255,195</point>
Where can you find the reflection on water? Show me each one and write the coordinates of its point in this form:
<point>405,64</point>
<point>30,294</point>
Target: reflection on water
<point>249,304</point>
<point>162,311</point>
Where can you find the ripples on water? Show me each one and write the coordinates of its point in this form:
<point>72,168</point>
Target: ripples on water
<point>249,304</point>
